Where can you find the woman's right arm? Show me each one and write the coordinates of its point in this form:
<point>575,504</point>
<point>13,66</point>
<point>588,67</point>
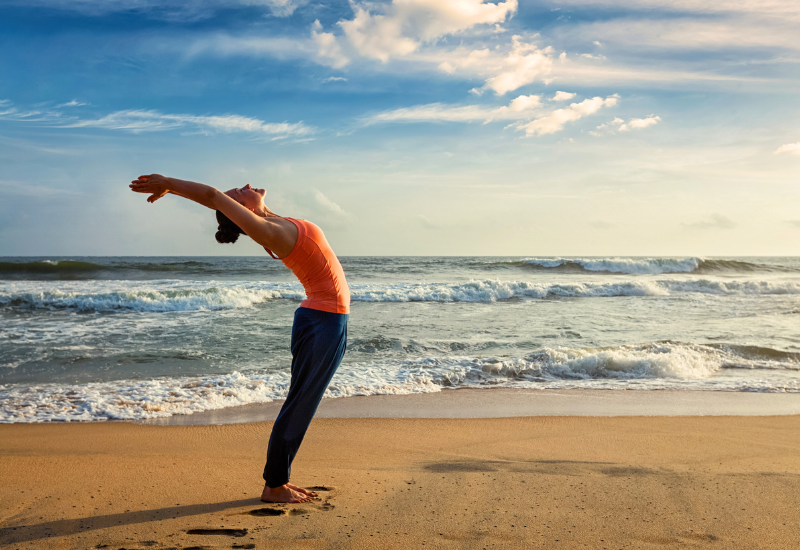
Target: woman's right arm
<point>158,186</point>
<point>276,236</point>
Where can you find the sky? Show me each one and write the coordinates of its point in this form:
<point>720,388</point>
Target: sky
<point>405,127</point>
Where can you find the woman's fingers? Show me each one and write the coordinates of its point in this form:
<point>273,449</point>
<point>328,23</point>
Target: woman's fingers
<point>144,185</point>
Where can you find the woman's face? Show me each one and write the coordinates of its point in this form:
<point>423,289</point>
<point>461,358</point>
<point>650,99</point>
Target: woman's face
<point>248,196</point>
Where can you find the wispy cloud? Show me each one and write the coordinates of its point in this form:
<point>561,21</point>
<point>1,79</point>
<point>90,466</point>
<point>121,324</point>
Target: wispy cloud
<point>170,10</point>
<point>790,148</point>
<point>715,221</point>
<point>73,103</point>
<point>520,107</point>
<point>784,9</point>
<point>334,79</point>
<point>143,121</point>
<point>29,190</point>
<point>329,211</point>
<point>328,204</point>
<point>427,223</point>
<point>279,8</point>
<point>685,33</point>
<point>139,120</point>
<point>555,121</point>
<point>619,125</point>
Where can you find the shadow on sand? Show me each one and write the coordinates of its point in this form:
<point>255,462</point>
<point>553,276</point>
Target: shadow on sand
<point>66,527</point>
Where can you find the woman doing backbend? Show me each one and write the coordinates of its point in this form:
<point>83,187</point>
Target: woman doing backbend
<point>319,332</point>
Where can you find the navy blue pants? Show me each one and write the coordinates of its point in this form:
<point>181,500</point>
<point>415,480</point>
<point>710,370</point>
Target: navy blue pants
<point>319,340</point>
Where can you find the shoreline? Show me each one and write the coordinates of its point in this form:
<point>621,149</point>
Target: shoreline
<point>511,402</point>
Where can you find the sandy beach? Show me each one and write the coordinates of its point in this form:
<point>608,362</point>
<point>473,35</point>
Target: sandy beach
<point>514,482</point>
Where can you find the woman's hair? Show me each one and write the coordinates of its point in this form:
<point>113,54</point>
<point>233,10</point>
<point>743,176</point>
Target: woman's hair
<point>228,231</point>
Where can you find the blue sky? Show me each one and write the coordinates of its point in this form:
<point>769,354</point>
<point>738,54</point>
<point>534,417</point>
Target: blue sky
<point>574,127</point>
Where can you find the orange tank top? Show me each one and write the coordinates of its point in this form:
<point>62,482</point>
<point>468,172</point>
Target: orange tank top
<point>313,262</point>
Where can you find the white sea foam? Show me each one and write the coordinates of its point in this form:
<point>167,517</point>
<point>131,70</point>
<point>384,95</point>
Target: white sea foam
<point>147,296</point>
<point>650,366</point>
<point>163,296</point>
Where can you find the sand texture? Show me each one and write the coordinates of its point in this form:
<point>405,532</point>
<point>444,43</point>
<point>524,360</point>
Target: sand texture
<point>532,482</point>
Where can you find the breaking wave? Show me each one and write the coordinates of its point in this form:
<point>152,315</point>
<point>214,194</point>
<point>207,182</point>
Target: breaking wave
<point>662,365</point>
<point>110,296</point>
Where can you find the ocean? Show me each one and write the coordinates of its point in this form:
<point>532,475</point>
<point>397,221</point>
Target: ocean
<point>127,338</point>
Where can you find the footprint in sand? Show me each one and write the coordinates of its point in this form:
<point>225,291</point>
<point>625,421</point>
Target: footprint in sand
<point>225,532</point>
<point>261,512</point>
<point>265,512</point>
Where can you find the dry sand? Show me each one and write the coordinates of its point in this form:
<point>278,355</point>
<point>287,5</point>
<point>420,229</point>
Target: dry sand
<point>530,482</point>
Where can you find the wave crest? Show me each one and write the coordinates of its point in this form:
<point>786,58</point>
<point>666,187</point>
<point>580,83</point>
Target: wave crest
<point>164,296</point>
<point>646,266</point>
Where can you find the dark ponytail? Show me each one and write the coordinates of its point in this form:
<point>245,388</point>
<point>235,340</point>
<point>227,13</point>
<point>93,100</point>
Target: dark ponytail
<point>228,232</point>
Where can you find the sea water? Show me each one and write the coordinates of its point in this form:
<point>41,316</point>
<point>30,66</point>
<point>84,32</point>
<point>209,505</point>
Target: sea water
<point>103,338</point>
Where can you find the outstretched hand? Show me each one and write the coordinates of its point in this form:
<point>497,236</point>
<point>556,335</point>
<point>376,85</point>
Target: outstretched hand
<point>155,184</point>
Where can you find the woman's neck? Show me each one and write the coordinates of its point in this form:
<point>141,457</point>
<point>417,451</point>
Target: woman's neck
<point>267,213</point>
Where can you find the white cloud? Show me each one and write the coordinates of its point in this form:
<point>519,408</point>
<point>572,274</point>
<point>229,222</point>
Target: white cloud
<point>409,30</point>
<point>556,120</point>
<point>328,49</point>
<point>405,24</point>
<point>619,124</point>
<point>563,96</point>
<point>149,121</point>
<point>791,148</point>
<point>521,107</point>
<point>522,66</point>
<point>506,70</point>
<point>638,123</point>
<point>377,36</point>
<point>73,103</point>
<point>334,79</point>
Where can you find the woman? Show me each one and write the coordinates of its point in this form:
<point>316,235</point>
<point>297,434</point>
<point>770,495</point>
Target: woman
<point>319,332</point>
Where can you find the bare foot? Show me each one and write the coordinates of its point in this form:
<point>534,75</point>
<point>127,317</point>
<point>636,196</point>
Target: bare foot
<point>284,493</point>
<point>301,490</point>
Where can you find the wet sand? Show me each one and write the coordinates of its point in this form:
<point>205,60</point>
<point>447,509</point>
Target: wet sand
<point>523,482</point>
<point>506,402</point>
